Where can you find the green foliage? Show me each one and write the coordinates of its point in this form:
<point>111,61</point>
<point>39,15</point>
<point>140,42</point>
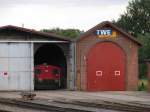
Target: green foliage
<point>143,85</point>
<point>136,19</point>
<point>144,53</point>
<point>142,70</point>
<point>145,49</point>
<point>69,33</point>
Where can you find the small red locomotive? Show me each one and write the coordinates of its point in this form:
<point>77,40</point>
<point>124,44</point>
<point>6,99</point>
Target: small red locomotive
<point>47,76</point>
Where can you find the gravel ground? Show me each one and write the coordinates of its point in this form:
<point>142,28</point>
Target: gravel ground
<point>131,97</point>
<point>17,109</point>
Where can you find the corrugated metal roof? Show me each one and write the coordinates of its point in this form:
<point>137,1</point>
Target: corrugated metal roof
<point>31,31</point>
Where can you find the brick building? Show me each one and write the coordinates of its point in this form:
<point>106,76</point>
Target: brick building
<point>107,59</point>
<point>103,58</point>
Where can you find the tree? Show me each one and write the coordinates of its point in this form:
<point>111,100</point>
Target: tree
<point>144,53</point>
<point>136,19</point>
<point>68,33</point>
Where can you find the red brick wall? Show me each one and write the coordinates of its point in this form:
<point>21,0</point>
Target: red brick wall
<point>129,47</point>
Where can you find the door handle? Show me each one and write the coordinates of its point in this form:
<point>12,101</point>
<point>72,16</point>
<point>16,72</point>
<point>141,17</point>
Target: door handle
<point>99,73</point>
<point>117,73</point>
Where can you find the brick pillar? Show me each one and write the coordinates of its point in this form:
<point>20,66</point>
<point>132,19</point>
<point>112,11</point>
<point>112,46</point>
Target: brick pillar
<point>148,74</point>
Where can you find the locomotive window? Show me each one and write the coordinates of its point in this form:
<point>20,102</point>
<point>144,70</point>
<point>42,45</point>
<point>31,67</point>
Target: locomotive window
<point>37,71</point>
<point>55,71</point>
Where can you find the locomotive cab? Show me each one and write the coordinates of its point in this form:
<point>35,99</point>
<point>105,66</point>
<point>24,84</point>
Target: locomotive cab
<point>47,77</point>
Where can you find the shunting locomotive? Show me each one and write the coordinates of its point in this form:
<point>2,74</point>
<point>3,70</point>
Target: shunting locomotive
<point>47,76</point>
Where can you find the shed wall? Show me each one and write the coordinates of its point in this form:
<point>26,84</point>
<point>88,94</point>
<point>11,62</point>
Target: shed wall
<point>16,66</point>
<point>131,52</point>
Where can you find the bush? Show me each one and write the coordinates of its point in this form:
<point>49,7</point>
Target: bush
<point>143,84</point>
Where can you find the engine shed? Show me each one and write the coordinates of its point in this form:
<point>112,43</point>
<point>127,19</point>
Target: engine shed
<point>107,59</point>
<point>21,49</point>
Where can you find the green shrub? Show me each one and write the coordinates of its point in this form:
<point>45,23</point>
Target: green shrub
<point>143,83</point>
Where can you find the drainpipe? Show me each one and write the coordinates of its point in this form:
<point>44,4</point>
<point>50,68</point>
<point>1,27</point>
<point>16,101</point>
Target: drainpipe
<point>75,73</point>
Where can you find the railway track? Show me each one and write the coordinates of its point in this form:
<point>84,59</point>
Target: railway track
<point>51,108</point>
<point>36,106</point>
<point>4,110</point>
<point>110,105</point>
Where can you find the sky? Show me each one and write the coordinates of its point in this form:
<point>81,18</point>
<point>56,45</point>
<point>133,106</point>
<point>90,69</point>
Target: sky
<point>47,14</point>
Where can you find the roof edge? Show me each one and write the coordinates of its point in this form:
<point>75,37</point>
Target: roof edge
<point>112,25</point>
<point>32,31</point>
